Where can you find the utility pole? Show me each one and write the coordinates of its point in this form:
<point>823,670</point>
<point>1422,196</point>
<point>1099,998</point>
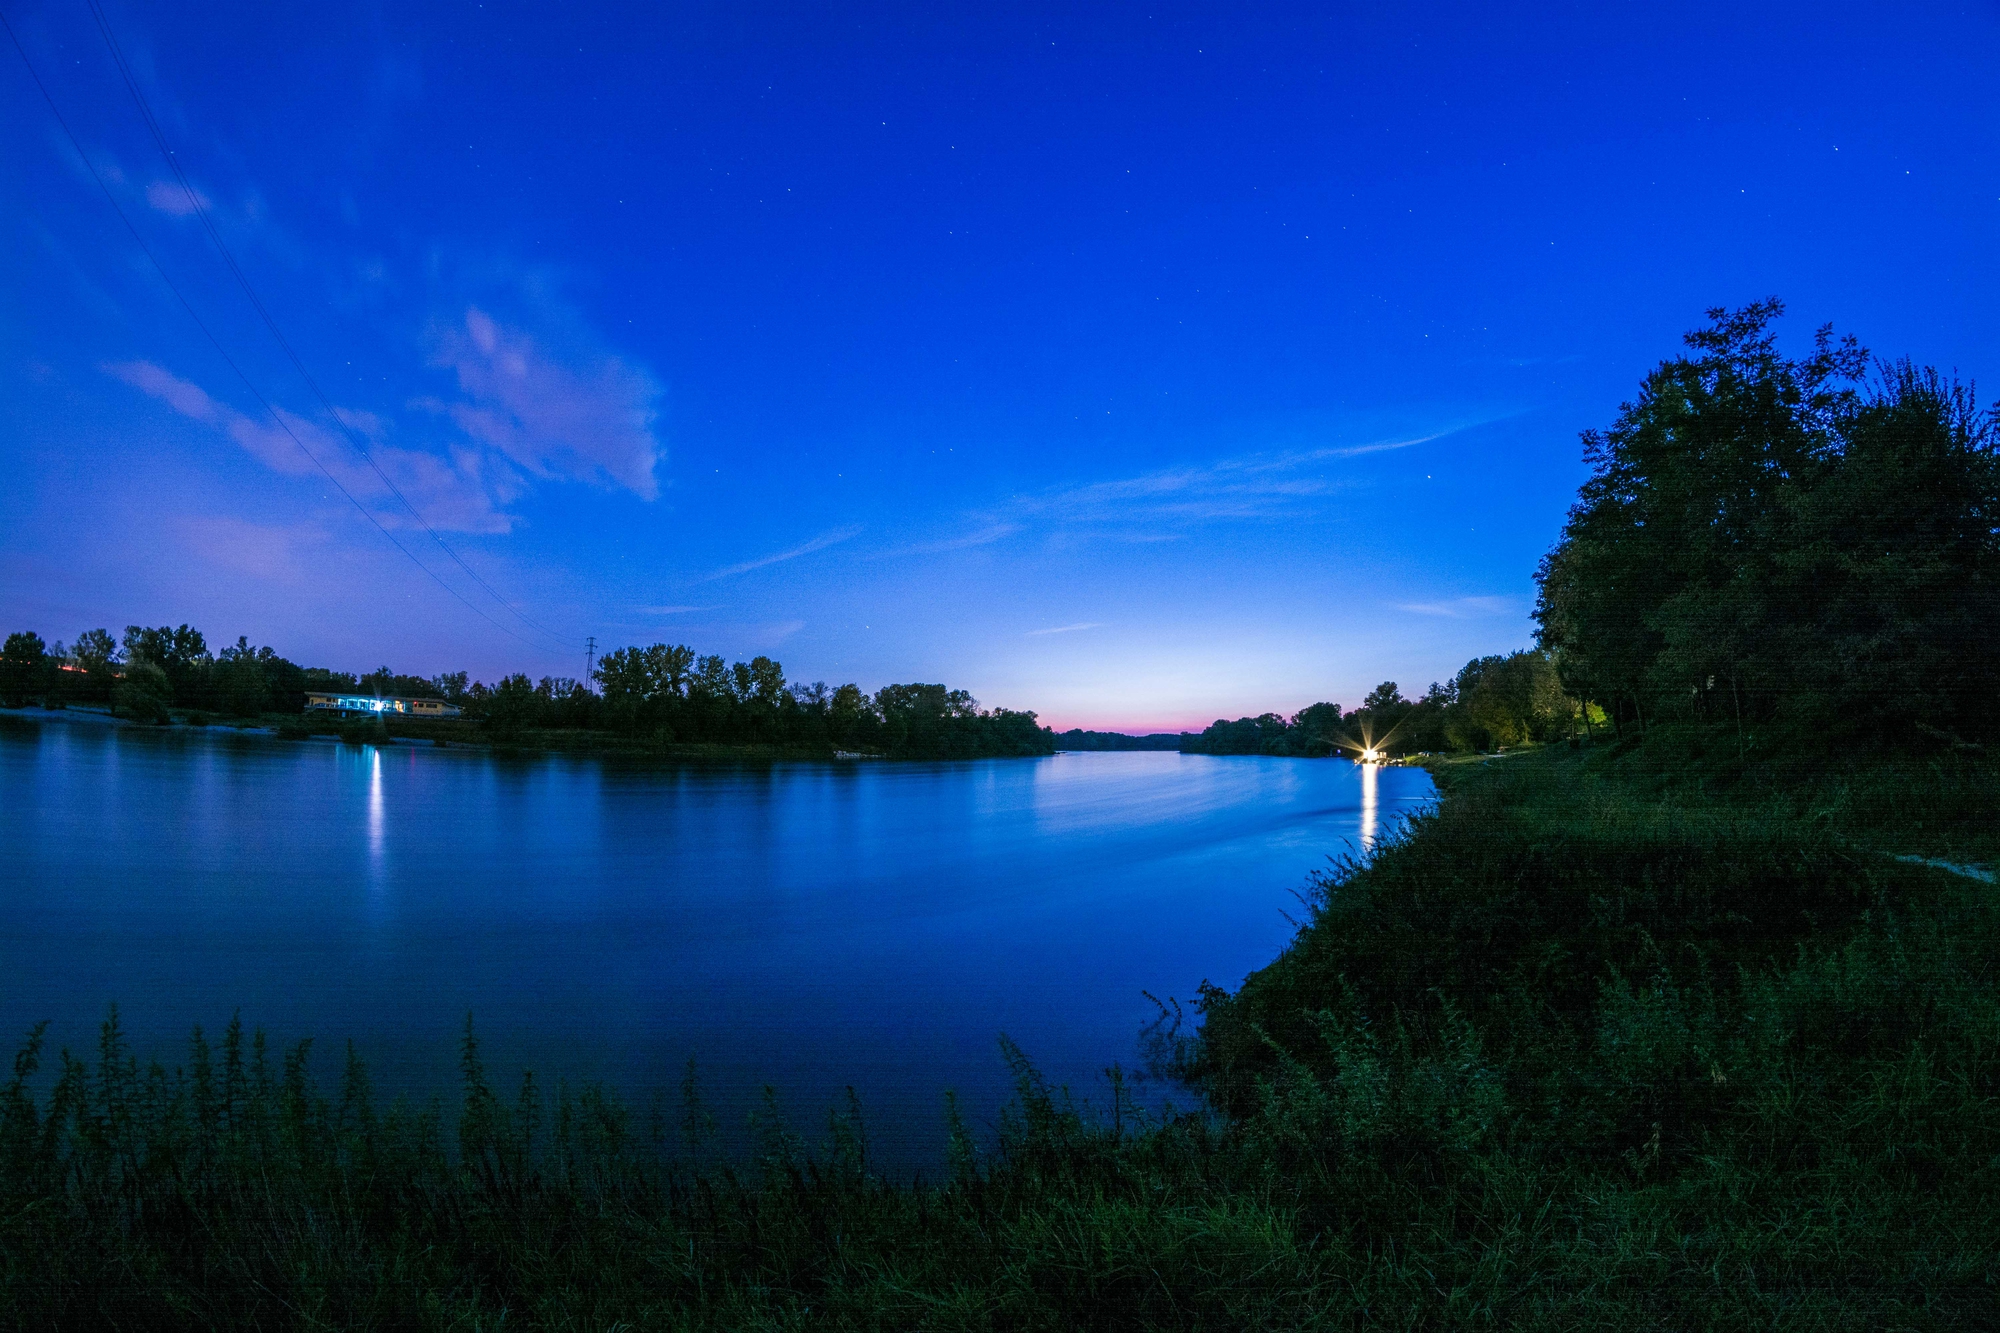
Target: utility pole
<point>589,659</point>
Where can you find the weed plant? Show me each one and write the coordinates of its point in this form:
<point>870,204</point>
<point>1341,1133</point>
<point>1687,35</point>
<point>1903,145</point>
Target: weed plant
<point>1908,792</point>
<point>1563,1055</point>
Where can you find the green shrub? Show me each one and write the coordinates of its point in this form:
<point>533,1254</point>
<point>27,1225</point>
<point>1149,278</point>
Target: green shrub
<point>365,731</point>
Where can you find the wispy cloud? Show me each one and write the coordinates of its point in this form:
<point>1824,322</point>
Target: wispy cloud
<point>1233,488</point>
<point>273,552</point>
<point>1380,446</point>
<point>1464,608</point>
<point>1523,361</point>
<point>1168,504</point>
<point>1254,486</point>
<point>1066,629</point>
<point>983,536</point>
<point>588,415</point>
<point>819,543</point>
<point>187,398</point>
<point>457,492</point>
<point>171,199</point>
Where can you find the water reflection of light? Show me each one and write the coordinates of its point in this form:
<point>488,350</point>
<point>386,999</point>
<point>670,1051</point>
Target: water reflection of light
<point>1371,777</point>
<point>376,830</point>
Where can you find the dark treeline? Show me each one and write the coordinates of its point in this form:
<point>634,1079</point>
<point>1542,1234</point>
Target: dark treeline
<point>1772,541</point>
<point>1493,702</point>
<point>1078,739</point>
<point>663,694</point>
<point>150,671</point>
<point>668,692</point>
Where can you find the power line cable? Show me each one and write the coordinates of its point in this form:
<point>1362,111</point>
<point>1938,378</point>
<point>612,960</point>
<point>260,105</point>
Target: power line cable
<point>223,352</point>
<point>200,208</point>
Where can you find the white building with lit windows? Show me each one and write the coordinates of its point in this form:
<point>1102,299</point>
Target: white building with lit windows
<point>368,705</point>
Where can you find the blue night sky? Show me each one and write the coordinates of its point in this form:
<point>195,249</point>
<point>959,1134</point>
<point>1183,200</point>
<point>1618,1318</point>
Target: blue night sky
<point>1135,364</point>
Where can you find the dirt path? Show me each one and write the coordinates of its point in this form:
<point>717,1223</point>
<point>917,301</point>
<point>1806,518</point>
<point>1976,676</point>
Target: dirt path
<point>1980,873</point>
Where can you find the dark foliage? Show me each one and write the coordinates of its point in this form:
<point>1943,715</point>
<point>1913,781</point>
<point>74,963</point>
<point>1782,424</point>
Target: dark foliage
<point>664,695</point>
<point>1078,739</point>
<point>27,671</point>
<point>1493,703</point>
<point>1516,918</point>
<point>1773,542</point>
<point>668,692</point>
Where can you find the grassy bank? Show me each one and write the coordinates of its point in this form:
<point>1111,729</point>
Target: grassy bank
<point>1596,1044</point>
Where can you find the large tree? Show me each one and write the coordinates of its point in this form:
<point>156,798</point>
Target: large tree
<point>96,656</point>
<point>179,655</point>
<point>1765,538</point>
<point>27,672</point>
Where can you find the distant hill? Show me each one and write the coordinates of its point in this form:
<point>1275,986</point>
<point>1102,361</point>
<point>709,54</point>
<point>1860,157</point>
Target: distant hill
<point>1079,739</point>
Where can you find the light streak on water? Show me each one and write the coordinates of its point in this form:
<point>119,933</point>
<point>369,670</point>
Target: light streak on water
<point>1371,781</point>
<point>378,831</point>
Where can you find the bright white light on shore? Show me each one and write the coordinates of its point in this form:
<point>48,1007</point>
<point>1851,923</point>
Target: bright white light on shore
<point>1370,756</point>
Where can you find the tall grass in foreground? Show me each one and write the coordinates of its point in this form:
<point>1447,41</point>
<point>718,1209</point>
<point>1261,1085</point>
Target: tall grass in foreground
<point>1556,1058</point>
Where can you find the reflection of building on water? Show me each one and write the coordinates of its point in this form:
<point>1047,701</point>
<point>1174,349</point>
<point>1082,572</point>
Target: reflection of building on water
<point>371,706</point>
<point>377,807</point>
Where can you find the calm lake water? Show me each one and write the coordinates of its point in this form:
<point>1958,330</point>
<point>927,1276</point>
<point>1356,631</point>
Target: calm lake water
<point>808,926</point>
